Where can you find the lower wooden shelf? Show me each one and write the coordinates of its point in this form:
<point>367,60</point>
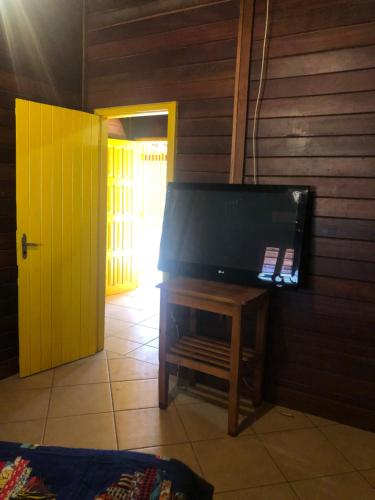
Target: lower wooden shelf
<point>204,354</point>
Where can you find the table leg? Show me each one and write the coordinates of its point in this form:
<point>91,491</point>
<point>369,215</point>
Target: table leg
<point>163,367</point>
<point>235,372</point>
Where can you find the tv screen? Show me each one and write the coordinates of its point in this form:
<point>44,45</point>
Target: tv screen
<point>247,234</point>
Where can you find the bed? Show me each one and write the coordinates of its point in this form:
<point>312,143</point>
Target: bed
<point>47,472</point>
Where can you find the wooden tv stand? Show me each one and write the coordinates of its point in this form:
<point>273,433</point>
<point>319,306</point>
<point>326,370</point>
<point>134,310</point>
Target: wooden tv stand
<point>225,360</point>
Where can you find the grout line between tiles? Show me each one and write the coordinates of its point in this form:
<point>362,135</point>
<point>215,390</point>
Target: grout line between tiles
<point>190,442</point>
<point>113,409</point>
<point>48,406</point>
<point>271,457</point>
<point>364,477</point>
<point>158,444</point>
<point>253,487</point>
<point>340,452</point>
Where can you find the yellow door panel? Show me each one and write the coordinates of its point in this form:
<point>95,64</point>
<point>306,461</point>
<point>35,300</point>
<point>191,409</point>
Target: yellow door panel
<point>58,193</point>
<point>123,217</point>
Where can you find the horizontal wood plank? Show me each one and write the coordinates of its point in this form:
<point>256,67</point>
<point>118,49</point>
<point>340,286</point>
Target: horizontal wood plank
<point>331,61</point>
<point>318,40</point>
<point>331,125</point>
<point>358,102</point>
<point>112,37</point>
<point>363,145</point>
<point>289,16</point>
<point>214,41</point>
<point>327,187</point>
<point>203,163</point>
<point>315,167</point>
<point>104,13</point>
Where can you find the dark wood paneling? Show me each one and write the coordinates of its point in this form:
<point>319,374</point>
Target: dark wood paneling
<point>206,71</point>
<point>352,124</point>
<point>343,249</point>
<point>203,163</point>
<point>99,17</point>
<point>332,61</point>
<point>319,85</point>
<point>42,41</point>
<point>113,37</point>
<point>320,105</point>
<point>130,94</point>
<point>338,287</point>
<point>315,167</point>
<point>363,145</point>
<point>344,228</point>
<point>168,50</point>
<point>290,16</point>
<point>317,41</point>
<point>316,128</point>
<point>324,186</point>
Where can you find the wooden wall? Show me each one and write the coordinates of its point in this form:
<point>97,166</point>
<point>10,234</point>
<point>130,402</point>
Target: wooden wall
<point>182,50</point>
<point>40,60</point>
<point>317,127</point>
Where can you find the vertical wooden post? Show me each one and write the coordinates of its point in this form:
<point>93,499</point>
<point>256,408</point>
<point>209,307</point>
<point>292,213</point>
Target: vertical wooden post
<point>241,91</point>
<point>163,368</point>
<point>260,350</point>
<point>235,370</point>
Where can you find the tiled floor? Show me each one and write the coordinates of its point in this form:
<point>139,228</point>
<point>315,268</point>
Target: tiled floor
<point>110,401</point>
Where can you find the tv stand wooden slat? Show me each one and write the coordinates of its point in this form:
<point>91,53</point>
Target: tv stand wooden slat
<point>225,360</point>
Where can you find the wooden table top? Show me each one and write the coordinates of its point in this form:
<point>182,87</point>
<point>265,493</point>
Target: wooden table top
<point>213,290</point>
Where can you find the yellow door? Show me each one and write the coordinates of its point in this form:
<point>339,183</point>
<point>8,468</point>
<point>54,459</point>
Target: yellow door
<point>60,235</point>
<point>123,216</point>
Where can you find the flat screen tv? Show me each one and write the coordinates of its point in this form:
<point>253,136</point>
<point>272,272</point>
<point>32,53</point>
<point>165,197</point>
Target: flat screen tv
<point>245,234</point>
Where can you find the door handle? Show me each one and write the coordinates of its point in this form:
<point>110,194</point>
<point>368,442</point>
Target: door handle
<point>25,245</point>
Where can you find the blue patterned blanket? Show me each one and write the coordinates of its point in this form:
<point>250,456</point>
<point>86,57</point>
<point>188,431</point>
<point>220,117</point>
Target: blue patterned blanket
<point>46,472</point>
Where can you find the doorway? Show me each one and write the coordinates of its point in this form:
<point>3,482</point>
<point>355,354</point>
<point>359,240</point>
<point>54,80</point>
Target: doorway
<point>140,162</point>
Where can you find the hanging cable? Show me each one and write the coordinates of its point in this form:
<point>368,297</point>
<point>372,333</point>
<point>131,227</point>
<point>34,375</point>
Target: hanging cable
<point>255,120</point>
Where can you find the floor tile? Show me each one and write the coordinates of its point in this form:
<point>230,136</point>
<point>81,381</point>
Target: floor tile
<point>320,421</point>
<point>27,404</point>
<point>357,445</point>
<point>80,399</point>
<point>114,355</point>
<point>112,326</point>
<point>30,431</point>
<point>82,431</point>
<point>120,346</point>
<point>140,334</point>
<point>78,372</point>
<point>188,394</point>
<point>131,369</point>
<point>38,381</point>
<point>304,454</point>
<point>277,418</point>
<point>339,487</point>
<point>149,427</point>
<point>273,492</point>
<point>125,300</point>
<point>151,322</point>
<point>133,394</point>
<point>154,343</point>
<point>234,463</point>
<point>370,476</point>
<point>183,452</point>
<point>126,313</point>
<point>99,355</point>
<point>205,421</point>
<point>146,353</point>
